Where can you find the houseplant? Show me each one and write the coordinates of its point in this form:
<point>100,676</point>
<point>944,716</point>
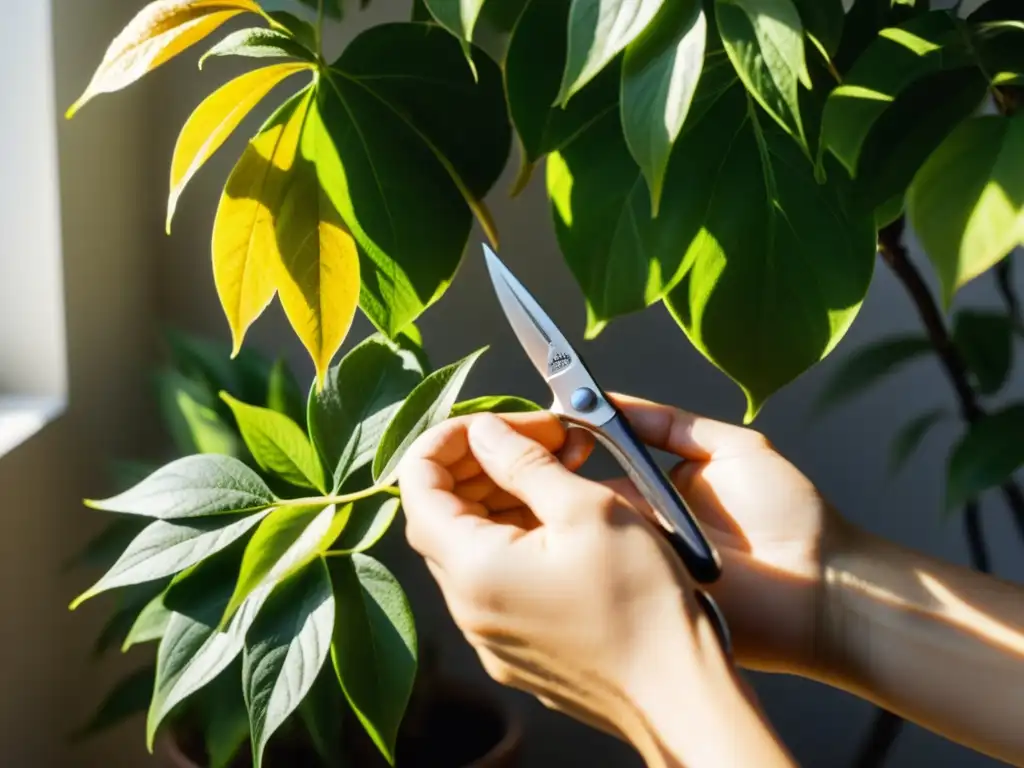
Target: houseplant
<point>739,161</point>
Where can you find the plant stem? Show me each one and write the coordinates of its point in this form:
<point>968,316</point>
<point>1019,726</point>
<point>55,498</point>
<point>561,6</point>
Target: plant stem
<point>1004,281</point>
<point>319,29</point>
<point>345,498</point>
<point>976,538</point>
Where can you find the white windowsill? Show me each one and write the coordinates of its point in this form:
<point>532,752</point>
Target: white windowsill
<point>22,416</point>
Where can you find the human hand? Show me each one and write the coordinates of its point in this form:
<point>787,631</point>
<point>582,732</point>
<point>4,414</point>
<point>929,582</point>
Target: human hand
<point>768,521</point>
<point>560,585</point>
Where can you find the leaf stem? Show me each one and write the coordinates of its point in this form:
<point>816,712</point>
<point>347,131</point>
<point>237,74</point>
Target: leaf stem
<point>320,29</point>
<point>345,498</point>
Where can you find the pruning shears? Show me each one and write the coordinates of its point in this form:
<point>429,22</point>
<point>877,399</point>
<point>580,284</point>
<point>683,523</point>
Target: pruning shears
<point>579,402</point>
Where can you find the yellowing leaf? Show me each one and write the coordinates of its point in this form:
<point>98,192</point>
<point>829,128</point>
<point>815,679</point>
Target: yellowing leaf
<point>244,243</point>
<point>215,119</point>
<point>159,32</point>
<point>318,270</point>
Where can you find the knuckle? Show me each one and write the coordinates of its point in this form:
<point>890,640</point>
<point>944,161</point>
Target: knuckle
<point>532,458</point>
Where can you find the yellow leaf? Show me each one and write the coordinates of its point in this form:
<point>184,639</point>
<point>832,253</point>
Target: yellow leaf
<point>244,244</point>
<point>215,119</point>
<point>318,274</point>
<point>159,32</point>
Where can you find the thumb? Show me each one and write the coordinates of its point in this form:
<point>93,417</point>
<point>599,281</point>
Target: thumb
<point>524,468</point>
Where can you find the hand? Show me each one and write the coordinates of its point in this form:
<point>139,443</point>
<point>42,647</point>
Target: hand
<point>560,585</point>
<point>769,523</point>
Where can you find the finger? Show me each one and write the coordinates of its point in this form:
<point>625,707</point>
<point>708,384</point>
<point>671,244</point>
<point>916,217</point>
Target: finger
<point>685,434</point>
<point>579,444</point>
<point>477,489</point>
<point>465,468</point>
<point>526,469</point>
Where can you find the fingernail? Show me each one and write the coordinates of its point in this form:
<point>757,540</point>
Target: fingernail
<point>488,431</point>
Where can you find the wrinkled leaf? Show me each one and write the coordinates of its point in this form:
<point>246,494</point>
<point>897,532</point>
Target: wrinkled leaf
<point>128,698</point>
<point>966,203</point>
<point>260,43</point>
<point>659,78</point>
<point>494,404</point>
<point>985,341</point>
<point>285,650</point>
<point>287,540</point>
<point>284,395</point>
<point>159,32</point>
<point>987,455</point>
<point>278,444</point>
<point>347,418</point>
<point>867,366</point>
<point>910,435</point>
<point>193,486</point>
<point>166,547</point>
<point>429,404</point>
<point>368,521</point>
<point>764,40</point>
<point>374,645</point>
<point>598,31</point>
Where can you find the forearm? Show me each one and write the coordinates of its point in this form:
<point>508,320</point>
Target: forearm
<point>938,644</point>
<point>691,709</point>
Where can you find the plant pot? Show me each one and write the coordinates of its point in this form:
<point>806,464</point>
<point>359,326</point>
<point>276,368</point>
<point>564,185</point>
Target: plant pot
<point>457,727</point>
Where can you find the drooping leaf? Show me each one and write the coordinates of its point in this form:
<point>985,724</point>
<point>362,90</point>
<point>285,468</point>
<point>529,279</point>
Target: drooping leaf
<point>166,547</point>
<point>129,697</point>
<point>767,300</point>
<point>290,538</point>
<point>985,341</point>
<point>764,40</point>
<point>374,646</point>
<point>598,31</point>
<point>910,435</point>
<point>216,119</point>
<point>192,651</point>
<point>533,64</point>
<point>193,486</point>
<point>967,202</point>
<point>260,43</point>
<point>278,444</point>
<point>284,395</point>
<point>823,23</point>
<point>367,523</point>
<point>159,32</point>
<point>429,404</point>
<point>409,124</point>
<point>622,258</point>
<point>494,404</point>
<point>867,366</point>
<point>659,78</point>
<point>150,624</point>
<point>987,455</point>
<point>285,650</point>
<point>363,391</point>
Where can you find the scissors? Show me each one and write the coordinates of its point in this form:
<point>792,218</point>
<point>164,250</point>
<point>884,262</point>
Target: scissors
<point>580,402</point>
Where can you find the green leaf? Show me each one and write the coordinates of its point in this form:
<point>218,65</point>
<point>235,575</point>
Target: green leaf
<point>193,652</point>
<point>324,712</point>
<point>260,43</point>
<point>910,435</point>
<point>300,29</point>
<point>495,404</point>
<point>150,624</point>
<point>598,31</point>
<point>278,444</point>
<point>867,366</point>
<point>987,455</point>
<point>284,651</point>
<point>224,717</point>
<point>193,486</point>
<point>764,40</point>
<point>427,406</point>
<point>459,17</point>
<point>130,602</point>
<point>284,395</point>
<point>533,65</point>
<point>332,8</point>
<point>347,418</point>
<point>898,57</point>
<point>166,547</point>
<point>210,363</point>
<point>374,647</point>
<point>103,549</point>
<point>368,522</point>
<point>659,78</point>
<point>1001,55</point>
<point>967,202</point>
<point>985,341</point>
<point>287,540</point>
<point>408,123</point>
<point>823,23</point>
<point>128,698</point>
<point>195,426</point>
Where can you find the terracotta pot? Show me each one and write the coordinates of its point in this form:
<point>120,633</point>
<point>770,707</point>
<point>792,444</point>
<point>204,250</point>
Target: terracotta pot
<point>504,754</point>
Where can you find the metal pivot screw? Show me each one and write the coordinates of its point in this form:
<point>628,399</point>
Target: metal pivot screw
<point>583,399</point>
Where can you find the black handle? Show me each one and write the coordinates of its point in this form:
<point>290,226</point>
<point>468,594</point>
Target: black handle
<point>678,523</point>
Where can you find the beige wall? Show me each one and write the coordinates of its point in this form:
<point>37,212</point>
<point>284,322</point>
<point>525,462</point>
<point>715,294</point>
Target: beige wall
<point>123,274</point>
